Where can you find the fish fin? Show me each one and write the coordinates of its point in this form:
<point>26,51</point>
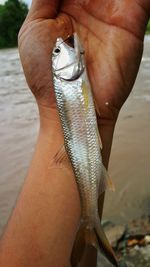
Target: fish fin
<point>110,184</point>
<point>98,113</point>
<point>85,239</point>
<point>96,107</point>
<point>88,239</point>
<point>105,182</point>
<point>104,244</point>
<point>100,140</point>
<point>61,155</point>
<point>85,95</point>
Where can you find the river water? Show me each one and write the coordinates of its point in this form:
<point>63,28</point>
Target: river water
<point>18,128</point>
<point>18,131</point>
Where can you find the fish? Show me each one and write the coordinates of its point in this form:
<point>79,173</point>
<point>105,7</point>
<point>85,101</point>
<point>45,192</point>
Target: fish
<point>75,103</point>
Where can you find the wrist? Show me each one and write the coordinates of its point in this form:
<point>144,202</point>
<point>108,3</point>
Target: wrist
<point>51,132</point>
<point>50,138</point>
<point>50,124</point>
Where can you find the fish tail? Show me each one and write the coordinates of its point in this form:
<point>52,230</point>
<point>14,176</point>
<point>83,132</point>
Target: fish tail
<point>88,242</point>
<point>84,242</point>
<point>104,244</point>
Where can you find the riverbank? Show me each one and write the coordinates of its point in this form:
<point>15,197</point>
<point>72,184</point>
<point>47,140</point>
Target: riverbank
<point>131,242</point>
<point>130,157</point>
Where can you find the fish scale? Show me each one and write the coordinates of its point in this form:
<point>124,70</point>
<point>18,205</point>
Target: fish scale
<point>79,129</point>
<point>78,118</point>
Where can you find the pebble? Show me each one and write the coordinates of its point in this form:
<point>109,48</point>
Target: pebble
<point>147,239</point>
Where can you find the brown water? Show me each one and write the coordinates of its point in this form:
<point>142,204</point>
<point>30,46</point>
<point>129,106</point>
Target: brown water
<point>130,159</point>
<point>18,128</point>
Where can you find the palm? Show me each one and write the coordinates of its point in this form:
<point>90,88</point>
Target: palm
<point>113,53</point>
<point>113,43</point>
<point>113,48</point>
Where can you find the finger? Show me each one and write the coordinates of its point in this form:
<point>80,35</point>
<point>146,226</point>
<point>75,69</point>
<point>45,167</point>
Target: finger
<point>43,9</point>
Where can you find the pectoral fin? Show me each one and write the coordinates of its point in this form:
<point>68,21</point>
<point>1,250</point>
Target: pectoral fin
<point>105,182</point>
<point>60,155</point>
<point>61,158</point>
<point>96,107</point>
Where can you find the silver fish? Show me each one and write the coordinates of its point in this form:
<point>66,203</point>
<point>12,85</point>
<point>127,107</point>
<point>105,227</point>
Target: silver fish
<point>82,142</point>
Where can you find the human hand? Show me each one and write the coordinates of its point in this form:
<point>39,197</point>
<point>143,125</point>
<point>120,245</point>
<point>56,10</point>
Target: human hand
<point>112,34</point>
<point>36,40</point>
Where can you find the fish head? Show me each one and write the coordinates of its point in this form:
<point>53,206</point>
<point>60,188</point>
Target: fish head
<point>68,59</point>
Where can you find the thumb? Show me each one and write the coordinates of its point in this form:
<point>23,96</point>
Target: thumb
<point>43,9</point>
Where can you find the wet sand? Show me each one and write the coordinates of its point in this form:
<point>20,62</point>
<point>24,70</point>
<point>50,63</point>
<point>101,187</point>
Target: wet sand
<point>130,158</point>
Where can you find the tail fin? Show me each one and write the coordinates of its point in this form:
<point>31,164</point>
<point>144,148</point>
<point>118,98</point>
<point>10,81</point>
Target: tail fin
<point>104,245</point>
<point>87,241</point>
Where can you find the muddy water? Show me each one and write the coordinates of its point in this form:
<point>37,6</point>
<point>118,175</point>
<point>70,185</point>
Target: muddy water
<point>130,159</point>
<point>18,128</point>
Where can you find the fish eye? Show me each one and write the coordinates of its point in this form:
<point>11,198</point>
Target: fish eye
<point>56,51</point>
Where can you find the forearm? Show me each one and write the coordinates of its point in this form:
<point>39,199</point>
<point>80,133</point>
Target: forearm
<point>42,228</point>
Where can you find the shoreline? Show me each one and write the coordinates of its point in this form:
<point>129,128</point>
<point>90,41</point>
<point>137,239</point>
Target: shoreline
<point>131,242</point>
<point>130,157</point>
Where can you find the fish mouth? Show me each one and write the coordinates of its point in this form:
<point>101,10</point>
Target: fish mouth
<point>75,69</point>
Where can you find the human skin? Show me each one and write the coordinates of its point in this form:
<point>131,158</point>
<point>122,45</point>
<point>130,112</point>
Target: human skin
<point>42,228</point>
